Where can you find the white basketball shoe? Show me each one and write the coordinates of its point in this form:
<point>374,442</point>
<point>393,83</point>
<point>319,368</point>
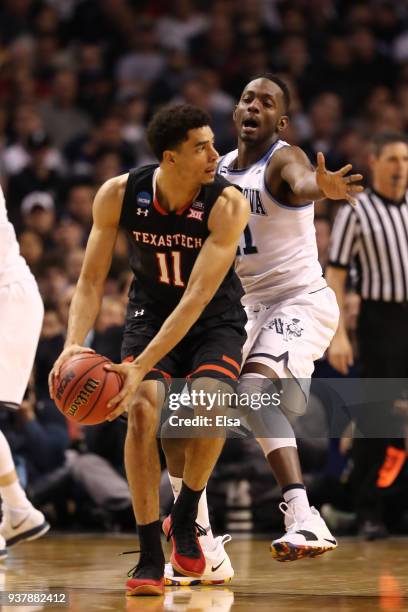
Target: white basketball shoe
<point>305,536</point>
<point>218,568</point>
<point>3,549</point>
<point>28,526</point>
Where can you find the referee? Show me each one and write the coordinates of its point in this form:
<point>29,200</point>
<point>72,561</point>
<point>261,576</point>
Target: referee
<point>373,237</point>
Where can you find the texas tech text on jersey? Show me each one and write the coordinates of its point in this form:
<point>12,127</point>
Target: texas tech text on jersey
<point>165,245</point>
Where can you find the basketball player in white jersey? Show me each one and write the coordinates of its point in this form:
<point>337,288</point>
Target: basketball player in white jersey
<point>292,314</point>
<point>21,315</point>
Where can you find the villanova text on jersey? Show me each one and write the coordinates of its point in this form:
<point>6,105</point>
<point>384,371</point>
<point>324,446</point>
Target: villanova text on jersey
<point>254,198</point>
<point>277,255</point>
<point>165,245</point>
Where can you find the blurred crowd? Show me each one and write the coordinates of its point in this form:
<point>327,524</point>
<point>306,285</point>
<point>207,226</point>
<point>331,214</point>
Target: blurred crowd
<point>79,80</point>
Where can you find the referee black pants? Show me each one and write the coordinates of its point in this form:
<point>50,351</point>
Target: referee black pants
<point>383,353</point>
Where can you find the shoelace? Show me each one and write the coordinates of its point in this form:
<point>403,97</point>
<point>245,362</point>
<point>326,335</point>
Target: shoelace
<point>145,557</point>
<point>225,539</point>
<point>290,512</point>
<point>131,552</point>
<point>187,537</point>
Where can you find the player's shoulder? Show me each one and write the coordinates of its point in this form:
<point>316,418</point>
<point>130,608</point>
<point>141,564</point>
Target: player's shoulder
<point>142,172</point>
<point>113,188</point>
<point>211,192</point>
<point>289,153</point>
<point>139,183</point>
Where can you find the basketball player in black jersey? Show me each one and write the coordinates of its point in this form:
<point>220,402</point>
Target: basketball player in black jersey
<point>184,316</point>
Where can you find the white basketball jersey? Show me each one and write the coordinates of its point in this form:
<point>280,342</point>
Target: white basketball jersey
<point>13,267</point>
<point>277,257</point>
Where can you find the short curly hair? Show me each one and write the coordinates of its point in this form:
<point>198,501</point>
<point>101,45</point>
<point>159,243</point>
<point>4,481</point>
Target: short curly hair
<point>169,126</point>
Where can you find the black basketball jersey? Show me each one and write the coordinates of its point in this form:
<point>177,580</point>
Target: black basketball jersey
<point>165,245</point>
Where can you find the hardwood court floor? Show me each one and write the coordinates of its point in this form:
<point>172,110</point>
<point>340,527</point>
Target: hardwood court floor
<point>357,576</point>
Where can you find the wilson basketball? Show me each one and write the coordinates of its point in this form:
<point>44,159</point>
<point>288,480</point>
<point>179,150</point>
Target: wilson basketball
<point>84,388</point>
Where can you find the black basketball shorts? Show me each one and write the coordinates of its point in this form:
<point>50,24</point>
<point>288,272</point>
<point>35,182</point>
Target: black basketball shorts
<point>212,348</point>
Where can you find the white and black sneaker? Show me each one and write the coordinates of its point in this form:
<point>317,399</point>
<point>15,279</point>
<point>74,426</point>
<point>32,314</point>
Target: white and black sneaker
<point>218,568</point>
<point>29,526</point>
<point>3,548</point>
<point>306,536</point>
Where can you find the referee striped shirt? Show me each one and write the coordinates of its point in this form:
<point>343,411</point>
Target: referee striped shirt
<point>373,236</point>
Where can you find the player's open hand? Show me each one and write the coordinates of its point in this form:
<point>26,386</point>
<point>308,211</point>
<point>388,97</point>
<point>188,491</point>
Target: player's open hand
<point>340,353</point>
<point>132,375</point>
<point>339,185</point>
<point>69,351</point>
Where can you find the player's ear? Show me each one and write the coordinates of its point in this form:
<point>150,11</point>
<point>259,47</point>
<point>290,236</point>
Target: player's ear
<point>283,123</point>
<point>234,113</point>
<point>169,157</point>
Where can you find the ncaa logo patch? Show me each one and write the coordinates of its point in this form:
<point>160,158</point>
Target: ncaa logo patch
<point>143,201</point>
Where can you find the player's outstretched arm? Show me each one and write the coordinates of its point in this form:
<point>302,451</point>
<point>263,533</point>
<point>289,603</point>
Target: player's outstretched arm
<point>95,267</point>
<point>308,184</point>
<point>227,221</point>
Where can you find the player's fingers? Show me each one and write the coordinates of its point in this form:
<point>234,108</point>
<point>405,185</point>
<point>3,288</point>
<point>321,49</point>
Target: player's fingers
<point>355,188</point>
<point>51,384</point>
<point>114,414</point>
<point>114,367</point>
<point>344,169</point>
<point>351,200</point>
<point>118,410</point>
<point>353,178</point>
<point>115,401</point>
<point>341,365</point>
<point>321,162</point>
<point>56,369</point>
<point>78,351</point>
<point>338,363</point>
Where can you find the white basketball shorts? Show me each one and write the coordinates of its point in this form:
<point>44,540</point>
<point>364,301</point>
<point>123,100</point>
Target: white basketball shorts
<point>289,336</point>
<point>21,316</point>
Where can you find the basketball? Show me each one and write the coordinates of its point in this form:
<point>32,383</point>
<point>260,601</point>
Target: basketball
<point>83,388</point>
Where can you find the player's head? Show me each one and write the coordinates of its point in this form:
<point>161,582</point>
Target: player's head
<point>389,162</point>
<point>262,110</point>
<point>182,140</point>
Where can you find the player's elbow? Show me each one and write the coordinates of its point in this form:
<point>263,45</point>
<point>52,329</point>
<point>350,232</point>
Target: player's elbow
<point>89,283</point>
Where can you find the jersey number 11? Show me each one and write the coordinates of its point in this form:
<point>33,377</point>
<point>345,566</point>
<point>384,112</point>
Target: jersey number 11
<point>175,266</point>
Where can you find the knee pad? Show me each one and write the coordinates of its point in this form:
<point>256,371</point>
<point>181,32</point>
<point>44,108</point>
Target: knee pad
<point>286,393</point>
<point>260,407</point>
<point>294,393</point>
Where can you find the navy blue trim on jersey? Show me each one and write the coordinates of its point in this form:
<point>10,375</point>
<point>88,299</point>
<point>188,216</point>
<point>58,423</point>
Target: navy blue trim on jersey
<point>317,290</point>
<point>260,161</point>
<point>283,357</point>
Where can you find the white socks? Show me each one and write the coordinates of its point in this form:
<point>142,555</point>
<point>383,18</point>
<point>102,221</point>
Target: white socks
<point>12,495</point>
<point>298,496</point>
<point>207,542</point>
